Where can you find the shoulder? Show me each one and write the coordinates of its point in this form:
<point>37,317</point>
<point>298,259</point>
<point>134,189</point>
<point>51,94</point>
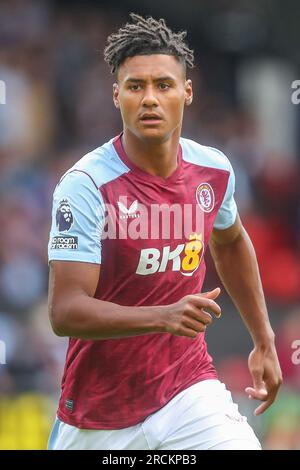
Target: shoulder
<point>95,168</point>
<point>202,155</point>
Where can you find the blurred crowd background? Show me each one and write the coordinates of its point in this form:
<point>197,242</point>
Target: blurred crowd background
<point>59,106</point>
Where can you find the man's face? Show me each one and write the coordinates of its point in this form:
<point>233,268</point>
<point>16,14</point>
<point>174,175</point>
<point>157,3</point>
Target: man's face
<point>151,93</point>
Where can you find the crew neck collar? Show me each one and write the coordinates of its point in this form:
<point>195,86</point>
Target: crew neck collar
<point>118,145</point>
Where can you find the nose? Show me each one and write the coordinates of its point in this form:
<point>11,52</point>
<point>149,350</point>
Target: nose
<point>149,98</point>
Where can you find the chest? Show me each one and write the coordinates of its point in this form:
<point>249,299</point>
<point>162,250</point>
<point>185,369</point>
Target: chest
<point>154,226</point>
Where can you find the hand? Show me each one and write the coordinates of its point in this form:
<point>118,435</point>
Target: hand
<point>266,374</point>
<point>187,317</point>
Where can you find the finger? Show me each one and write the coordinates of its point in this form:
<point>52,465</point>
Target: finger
<point>197,326</point>
<point>263,407</point>
<point>206,316</point>
<point>201,302</point>
<point>271,395</point>
<point>200,316</point>
<point>189,332</point>
<point>212,294</point>
<point>257,393</point>
<point>217,313</point>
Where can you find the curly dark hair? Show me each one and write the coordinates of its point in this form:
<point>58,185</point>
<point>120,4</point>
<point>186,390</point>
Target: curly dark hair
<point>146,36</point>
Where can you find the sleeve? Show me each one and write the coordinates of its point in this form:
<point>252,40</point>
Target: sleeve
<point>228,210</point>
<point>77,220</point>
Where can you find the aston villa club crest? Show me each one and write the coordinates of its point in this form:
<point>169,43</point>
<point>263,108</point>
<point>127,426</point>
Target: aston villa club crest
<point>205,197</point>
<point>64,216</point>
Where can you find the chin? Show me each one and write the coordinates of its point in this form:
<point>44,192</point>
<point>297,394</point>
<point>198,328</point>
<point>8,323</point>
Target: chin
<point>155,138</point>
<point>154,135</point>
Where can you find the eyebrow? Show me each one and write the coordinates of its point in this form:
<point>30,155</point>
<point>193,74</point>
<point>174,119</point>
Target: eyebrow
<point>141,80</point>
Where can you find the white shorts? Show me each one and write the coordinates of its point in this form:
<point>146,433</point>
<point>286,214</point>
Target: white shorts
<point>201,417</point>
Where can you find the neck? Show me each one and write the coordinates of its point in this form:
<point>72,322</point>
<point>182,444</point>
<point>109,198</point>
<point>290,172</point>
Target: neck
<point>155,158</point>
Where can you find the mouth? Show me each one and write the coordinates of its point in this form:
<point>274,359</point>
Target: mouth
<point>150,119</point>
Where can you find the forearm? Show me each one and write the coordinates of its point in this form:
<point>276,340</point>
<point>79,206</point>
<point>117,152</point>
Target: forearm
<point>89,318</point>
<point>237,267</point>
<point>75,312</point>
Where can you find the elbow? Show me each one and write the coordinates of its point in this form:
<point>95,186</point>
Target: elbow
<point>58,324</point>
<point>58,331</point>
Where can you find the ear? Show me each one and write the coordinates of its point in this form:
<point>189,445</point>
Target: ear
<point>188,92</point>
<point>116,95</point>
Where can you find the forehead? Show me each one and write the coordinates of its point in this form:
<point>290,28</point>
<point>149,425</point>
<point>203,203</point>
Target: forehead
<point>149,67</point>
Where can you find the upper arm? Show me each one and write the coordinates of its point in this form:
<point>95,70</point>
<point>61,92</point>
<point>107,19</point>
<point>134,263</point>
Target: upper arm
<point>68,280</point>
<point>74,248</point>
<point>228,235</point>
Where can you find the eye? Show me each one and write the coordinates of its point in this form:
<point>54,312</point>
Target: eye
<point>163,86</point>
<point>135,87</point>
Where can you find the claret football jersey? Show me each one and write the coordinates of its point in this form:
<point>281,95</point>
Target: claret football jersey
<point>149,234</point>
